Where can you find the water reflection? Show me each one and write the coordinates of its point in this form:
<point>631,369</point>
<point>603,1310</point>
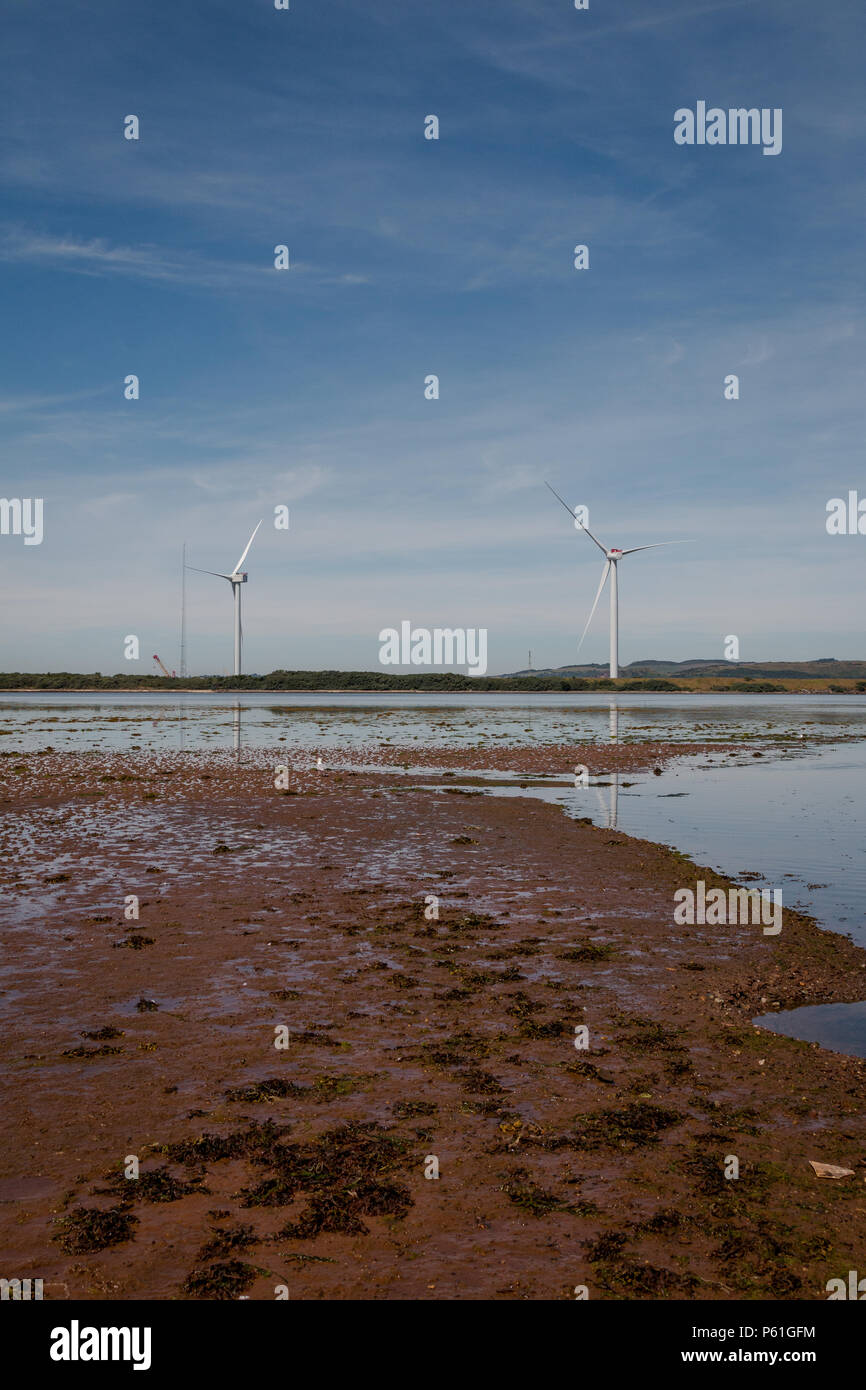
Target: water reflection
<point>609,804</point>
<point>613,722</point>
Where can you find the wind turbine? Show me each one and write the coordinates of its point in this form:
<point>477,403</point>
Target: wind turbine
<point>612,558</point>
<point>236,579</point>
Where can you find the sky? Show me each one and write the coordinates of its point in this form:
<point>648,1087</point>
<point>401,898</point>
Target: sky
<point>410,257</point>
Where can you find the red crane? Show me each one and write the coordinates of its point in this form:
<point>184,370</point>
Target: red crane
<point>162,668</point>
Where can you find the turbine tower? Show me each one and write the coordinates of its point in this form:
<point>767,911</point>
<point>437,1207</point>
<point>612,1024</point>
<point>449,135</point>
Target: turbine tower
<point>183,569</point>
<point>236,579</point>
<point>612,558</point>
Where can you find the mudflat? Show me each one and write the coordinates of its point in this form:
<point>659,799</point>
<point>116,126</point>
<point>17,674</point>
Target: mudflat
<point>334,991</point>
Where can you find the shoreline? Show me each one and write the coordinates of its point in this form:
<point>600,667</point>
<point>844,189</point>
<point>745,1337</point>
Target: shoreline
<point>305,910</point>
<point>634,686</point>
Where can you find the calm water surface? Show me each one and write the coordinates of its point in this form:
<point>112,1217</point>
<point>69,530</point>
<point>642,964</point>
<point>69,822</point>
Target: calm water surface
<point>119,720</point>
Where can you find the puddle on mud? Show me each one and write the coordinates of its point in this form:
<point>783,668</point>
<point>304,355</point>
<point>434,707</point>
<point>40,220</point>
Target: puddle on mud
<point>841,1027</point>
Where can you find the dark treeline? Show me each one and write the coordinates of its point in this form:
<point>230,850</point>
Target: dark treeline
<point>442,681</point>
<point>313,680</point>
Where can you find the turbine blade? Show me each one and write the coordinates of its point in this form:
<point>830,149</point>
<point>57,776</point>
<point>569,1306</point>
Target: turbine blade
<point>214,572</point>
<point>604,574</point>
<point>655,546</point>
<point>246,552</point>
<point>591,536</point>
<point>570,511</point>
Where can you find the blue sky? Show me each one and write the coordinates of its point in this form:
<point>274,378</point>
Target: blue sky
<point>412,257</point>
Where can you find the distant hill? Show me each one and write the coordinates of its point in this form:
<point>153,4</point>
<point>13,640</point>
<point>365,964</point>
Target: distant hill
<point>826,668</point>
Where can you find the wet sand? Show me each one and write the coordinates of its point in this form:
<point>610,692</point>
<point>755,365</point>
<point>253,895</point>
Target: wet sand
<point>410,1037</point>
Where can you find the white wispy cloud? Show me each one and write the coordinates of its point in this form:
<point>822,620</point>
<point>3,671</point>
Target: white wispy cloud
<point>97,256</point>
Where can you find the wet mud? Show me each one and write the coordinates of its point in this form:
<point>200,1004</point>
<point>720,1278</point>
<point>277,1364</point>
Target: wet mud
<point>338,989</point>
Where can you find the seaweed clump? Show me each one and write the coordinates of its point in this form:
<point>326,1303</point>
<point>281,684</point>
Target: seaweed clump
<point>346,1174</point>
<point>226,1279</point>
<point>154,1185</point>
<point>632,1127</point>
<point>522,1189</point>
<point>85,1229</point>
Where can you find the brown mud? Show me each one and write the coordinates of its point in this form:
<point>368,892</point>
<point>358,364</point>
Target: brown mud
<point>299,914</point>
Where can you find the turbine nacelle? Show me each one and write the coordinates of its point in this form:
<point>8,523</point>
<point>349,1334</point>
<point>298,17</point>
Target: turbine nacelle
<point>237,578</point>
<point>614,554</point>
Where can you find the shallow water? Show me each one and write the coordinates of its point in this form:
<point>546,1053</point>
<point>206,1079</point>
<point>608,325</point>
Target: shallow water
<point>200,721</point>
<point>795,821</point>
<point>841,1027</point>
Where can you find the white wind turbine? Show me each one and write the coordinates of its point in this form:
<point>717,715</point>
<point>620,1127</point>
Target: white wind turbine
<point>612,558</point>
<point>236,579</point>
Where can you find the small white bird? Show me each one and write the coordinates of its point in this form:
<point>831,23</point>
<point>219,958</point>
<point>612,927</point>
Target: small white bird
<point>319,764</point>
